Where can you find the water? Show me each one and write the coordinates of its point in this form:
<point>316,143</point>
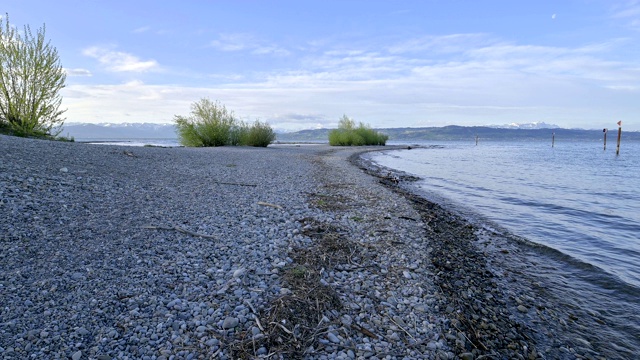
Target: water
<point>132,142</point>
<point>580,204</point>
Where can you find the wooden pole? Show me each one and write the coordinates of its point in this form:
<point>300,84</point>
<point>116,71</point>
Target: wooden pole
<point>553,139</point>
<point>605,138</point>
<point>476,139</point>
<point>619,136</point>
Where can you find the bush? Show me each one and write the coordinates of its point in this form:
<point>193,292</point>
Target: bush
<point>260,134</point>
<point>239,134</point>
<point>347,134</point>
<point>211,124</point>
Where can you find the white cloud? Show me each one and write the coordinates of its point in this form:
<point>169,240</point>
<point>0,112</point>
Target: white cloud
<point>142,29</point>
<point>233,42</point>
<point>77,72</point>
<point>442,44</point>
<point>120,61</point>
<point>246,42</point>
<point>473,83</point>
<point>628,11</point>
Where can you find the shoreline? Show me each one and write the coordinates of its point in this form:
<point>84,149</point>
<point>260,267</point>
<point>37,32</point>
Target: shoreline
<point>243,252</point>
<point>531,283</point>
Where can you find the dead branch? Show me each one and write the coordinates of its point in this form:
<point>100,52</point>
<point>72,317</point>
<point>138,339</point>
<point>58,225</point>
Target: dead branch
<point>178,229</point>
<point>236,184</point>
<point>270,205</point>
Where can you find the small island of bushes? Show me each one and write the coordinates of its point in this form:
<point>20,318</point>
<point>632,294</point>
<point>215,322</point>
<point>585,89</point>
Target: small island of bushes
<point>348,134</point>
<point>211,124</point>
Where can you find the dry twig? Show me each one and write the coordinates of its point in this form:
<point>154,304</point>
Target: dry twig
<point>236,184</point>
<point>270,205</point>
<point>178,229</point>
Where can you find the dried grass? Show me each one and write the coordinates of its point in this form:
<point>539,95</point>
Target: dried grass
<point>294,322</point>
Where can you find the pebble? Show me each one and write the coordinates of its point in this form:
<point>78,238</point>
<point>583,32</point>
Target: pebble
<point>238,273</point>
<point>467,356</point>
<point>333,338</point>
<point>230,323</point>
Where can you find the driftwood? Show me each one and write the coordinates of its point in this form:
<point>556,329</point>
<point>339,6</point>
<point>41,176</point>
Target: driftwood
<point>364,331</point>
<point>270,205</point>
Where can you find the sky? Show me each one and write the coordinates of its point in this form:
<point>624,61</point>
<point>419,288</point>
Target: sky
<point>303,64</point>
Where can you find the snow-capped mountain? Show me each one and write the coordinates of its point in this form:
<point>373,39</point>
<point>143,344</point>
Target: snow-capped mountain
<point>533,125</point>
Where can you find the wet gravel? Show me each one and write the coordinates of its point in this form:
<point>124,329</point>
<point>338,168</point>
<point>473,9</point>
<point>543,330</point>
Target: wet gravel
<point>507,298</point>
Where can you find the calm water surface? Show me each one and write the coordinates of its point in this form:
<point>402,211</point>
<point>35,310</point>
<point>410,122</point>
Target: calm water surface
<point>573,197</point>
<point>579,203</point>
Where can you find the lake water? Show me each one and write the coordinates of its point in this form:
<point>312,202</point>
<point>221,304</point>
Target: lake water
<point>581,204</point>
<point>131,142</point>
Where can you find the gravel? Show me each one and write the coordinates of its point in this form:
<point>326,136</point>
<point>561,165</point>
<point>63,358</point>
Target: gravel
<point>112,252</point>
<point>101,259</point>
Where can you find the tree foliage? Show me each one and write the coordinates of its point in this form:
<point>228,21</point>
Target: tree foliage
<point>348,134</point>
<point>212,124</point>
<point>31,78</point>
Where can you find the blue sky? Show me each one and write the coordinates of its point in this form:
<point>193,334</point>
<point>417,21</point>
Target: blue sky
<point>303,64</point>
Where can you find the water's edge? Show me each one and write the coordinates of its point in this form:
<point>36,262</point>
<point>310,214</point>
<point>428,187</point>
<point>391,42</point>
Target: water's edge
<point>564,318</point>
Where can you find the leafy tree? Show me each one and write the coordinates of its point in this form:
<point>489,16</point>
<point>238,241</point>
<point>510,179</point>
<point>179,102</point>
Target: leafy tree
<point>31,78</point>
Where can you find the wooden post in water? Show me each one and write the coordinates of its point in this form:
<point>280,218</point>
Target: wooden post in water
<point>553,139</point>
<point>605,138</point>
<point>619,136</point>
<point>476,139</point>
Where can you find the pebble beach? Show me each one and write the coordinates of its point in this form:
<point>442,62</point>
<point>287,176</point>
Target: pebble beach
<point>285,252</point>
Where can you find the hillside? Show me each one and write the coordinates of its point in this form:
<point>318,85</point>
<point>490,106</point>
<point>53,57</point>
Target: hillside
<point>447,133</point>
<point>457,133</point>
<point>81,131</point>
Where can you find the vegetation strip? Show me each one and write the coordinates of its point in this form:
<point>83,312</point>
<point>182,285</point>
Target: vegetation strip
<point>294,321</point>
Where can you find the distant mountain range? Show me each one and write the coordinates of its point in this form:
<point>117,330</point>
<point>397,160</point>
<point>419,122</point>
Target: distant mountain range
<point>84,132</point>
<point>533,131</point>
<point>462,133</point>
<point>533,125</point>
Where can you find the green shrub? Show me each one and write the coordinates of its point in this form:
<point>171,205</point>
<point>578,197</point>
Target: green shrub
<point>260,134</point>
<point>347,134</point>
<point>238,134</point>
<point>211,124</point>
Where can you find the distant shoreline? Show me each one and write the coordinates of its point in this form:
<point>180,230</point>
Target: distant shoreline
<point>399,134</point>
